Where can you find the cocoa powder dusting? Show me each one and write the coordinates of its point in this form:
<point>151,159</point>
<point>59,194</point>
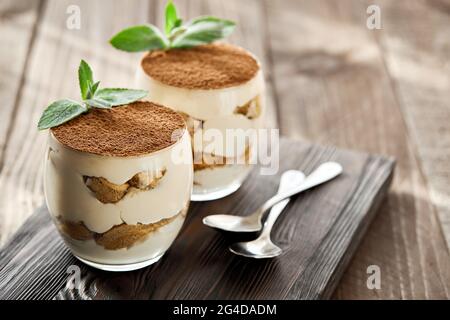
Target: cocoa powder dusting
<point>212,66</point>
<point>135,129</point>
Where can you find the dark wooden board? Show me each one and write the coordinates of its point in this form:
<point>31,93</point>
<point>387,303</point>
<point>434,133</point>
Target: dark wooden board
<point>319,231</point>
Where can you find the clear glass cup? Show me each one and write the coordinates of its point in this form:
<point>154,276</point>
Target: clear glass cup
<point>238,110</point>
<point>118,213</point>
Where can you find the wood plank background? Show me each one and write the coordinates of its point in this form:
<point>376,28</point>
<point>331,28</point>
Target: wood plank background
<point>330,80</point>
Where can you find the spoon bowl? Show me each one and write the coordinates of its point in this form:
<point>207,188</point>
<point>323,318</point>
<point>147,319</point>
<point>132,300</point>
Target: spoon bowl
<point>256,249</point>
<point>233,223</point>
<point>251,223</point>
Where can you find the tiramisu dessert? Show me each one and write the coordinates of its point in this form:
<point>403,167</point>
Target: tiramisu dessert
<point>218,88</point>
<point>118,176</point>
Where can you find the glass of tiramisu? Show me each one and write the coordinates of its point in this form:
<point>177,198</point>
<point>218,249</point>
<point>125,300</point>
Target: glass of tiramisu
<point>218,88</point>
<point>118,177</point>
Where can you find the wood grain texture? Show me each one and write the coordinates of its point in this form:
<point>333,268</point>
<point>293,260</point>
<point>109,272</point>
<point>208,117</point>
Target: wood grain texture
<point>415,43</point>
<point>18,23</point>
<point>319,232</point>
<point>333,87</point>
<point>18,26</point>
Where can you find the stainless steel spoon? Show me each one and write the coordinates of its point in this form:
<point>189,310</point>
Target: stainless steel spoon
<point>252,223</point>
<point>263,247</point>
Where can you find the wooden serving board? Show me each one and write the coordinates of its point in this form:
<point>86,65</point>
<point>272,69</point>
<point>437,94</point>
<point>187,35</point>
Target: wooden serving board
<point>319,232</point>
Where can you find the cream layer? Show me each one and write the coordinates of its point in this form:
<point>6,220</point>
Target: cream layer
<point>68,196</point>
<point>198,103</point>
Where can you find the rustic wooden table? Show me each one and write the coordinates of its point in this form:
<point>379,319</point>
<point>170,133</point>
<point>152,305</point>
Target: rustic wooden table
<point>330,80</point>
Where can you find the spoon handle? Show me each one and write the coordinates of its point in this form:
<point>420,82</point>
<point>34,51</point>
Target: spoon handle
<point>323,173</point>
<point>289,179</point>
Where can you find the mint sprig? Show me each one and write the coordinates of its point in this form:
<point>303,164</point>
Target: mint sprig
<point>64,110</point>
<point>201,30</point>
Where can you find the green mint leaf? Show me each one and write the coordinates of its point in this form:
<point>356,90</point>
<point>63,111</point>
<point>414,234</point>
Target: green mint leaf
<point>84,78</point>
<point>59,112</point>
<point>202,19</point>
<point>176,32</point>
<point>98,103</point>
<point>91,90</point>
<point>177,23</point>
<point>203,30</point>
<point>140,38</point>
<point>171,17</point>
<point>119,96</point>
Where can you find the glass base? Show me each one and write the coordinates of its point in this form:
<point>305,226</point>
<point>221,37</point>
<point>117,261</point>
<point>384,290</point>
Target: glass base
<point>120,267</point>
<point>216,194</point>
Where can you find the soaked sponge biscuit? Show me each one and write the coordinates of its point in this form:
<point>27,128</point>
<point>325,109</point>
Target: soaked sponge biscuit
<point>209,161</point>
<point>75,230</point>
<point>118,237</point>
<point>125,235</point>
<point>105,191</point>
<point>251,109</point>
<point>108,192</point>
